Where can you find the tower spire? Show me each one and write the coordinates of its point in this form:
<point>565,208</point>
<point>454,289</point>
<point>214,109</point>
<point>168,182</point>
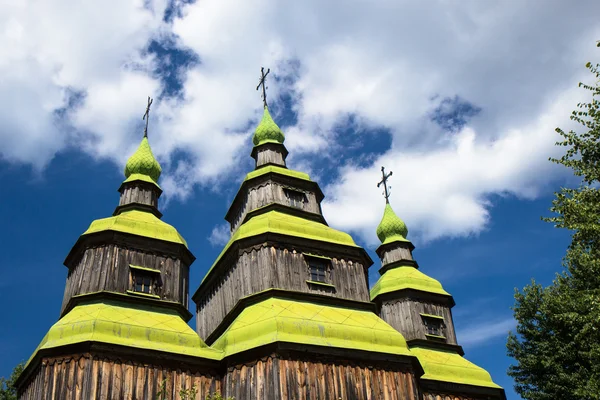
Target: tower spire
<point>147,116</point>
<point>263,83</point>
<point>386,192</point>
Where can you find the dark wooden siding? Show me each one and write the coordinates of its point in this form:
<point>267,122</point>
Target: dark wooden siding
<point>276,378</point>
<point>107,268</point>
<point>268,155</point>
<point>86,377</point>
<point>265,267</point>
<point>269,192</point>
<point>396,254</point>
<point>445,396</point>
<point>404,316</point>
<point>139,193</point>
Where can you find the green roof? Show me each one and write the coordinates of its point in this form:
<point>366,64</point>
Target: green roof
<point>267,131</point>
<point>139,223</point>
<point>406,278</point>
<point>391,228</point>
<point>142,162</point>
<point>285,224</point>
<point>280,320</point>
<point>139,326</point>
<point>140,177</point>
<point>278,170</point>
<point>446,366</point>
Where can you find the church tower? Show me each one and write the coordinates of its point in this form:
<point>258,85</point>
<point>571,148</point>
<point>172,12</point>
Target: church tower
<point>284,312</point>
<point>122,331</point>
<point>418,307</point>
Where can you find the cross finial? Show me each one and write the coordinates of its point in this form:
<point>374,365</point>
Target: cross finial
<point>147,116</point>
<point>383,182</point>
<point>263,83</point>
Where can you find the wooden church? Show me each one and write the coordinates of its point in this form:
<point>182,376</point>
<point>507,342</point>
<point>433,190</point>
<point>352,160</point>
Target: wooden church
<point>284,312</point>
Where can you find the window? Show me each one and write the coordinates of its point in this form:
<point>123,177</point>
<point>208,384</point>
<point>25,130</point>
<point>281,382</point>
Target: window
<point>296,198</point>
<point>142,282</point>
<point>145,280</point>
<point>318,270</point>
<point>434,326</point>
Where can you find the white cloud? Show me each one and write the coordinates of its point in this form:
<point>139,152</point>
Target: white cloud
<point>384,61</point>
<point>478,333</point>
<point>220,235</point>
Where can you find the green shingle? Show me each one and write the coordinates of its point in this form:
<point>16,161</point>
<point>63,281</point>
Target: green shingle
<point>280,320</point>
<point>391,228</point>
<point>406,278</point>
<point>267,131</point>
<point>139,223</point>
<point>447,366</point>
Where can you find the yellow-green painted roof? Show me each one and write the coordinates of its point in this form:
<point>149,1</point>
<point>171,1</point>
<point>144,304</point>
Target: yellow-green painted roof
<point>139,326</point>
<point>391,228</point>
<point>267,131</point>
<point>285,224</point>
<point>142,162</point>
<point>140,177</point>
<point>406,278</point>
<point>139,223</point>
<point>446,366</point>
<point>280,320</point>
<point>278,170</point>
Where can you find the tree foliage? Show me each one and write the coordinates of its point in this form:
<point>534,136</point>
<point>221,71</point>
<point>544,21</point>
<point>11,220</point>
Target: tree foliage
<point>8,391</point>
<point>557,346</point>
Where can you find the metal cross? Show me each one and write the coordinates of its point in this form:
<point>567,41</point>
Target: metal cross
<point>147,116</point>
<point>384,183</point>
<point>263,83</point>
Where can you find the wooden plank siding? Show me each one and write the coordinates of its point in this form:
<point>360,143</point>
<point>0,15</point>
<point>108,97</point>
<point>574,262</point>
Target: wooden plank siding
<point>91,377</point>
<point>269,192</point>
<point>445,396</point>
<point>262,267</point>
<point>294,379</point>
<point>138,192</point>
<point>106,267</point>
<point>269,155</point>
<point>404,315</point>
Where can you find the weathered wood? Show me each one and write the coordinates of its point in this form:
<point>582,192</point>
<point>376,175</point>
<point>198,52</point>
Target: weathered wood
<point>270,155</point>
<point>405,316</point>
<point>269,192</point>
<point>80,377</point>
<point>137,192</point>
<point>107,268</point>
<point>264,267</point>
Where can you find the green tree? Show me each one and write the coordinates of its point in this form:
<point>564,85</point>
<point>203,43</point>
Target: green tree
<point>8,391</point>
<point>557,346</point>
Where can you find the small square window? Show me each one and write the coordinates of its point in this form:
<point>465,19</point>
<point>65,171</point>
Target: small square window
<point>434,326</point>
<point>145,280</point>
<point>318,270</point>
<point>296,198</point>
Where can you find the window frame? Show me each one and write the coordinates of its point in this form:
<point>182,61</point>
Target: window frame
<point>293,195</point>
<point>434,326</point>
<point>151,281</point>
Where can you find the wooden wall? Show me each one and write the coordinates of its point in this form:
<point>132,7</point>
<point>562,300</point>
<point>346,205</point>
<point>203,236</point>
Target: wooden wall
<point>269,155</point>
<point>397,253</point>
<point>445,396</point>
<point>106,267</point>
<point>135,192</point>
<point>263,267</point>
<point>277,378</point>
<point>268,192</point>
<point>91,377</point>
<point>404,316</point>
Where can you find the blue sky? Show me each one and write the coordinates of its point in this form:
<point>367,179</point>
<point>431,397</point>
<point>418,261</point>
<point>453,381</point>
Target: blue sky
<point>459,100</point>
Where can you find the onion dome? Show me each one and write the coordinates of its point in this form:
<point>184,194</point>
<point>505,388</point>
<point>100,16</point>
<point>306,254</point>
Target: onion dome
<point>267,131</point>
<point>391,228</point>
<point>142,164</point>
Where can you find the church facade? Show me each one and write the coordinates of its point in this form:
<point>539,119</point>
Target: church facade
<point>284,312</point>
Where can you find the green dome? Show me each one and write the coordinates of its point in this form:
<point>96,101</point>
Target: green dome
<point>142,162</point>
<point>267,131</point>
<point>391,228</point>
